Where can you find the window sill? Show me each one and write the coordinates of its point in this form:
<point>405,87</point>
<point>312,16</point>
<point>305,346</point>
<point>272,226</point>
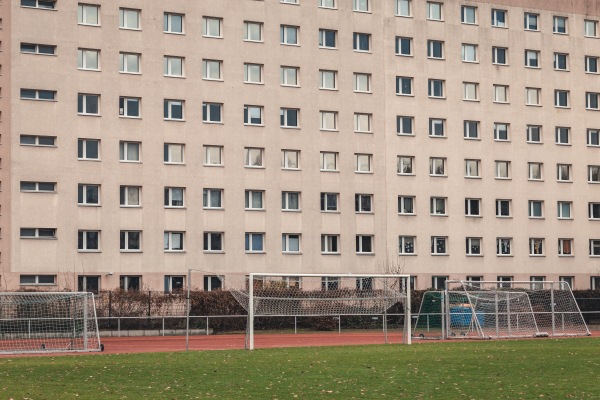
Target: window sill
<point>254,83</point>
<point>173,120</point>
<point>213,252</point>
<point>214,208</point>
<point>89,205</point>
<point>472,138</point>
<point>175,208</point>
<point>43,100</point>
<point>330,170</point>
<point>89,69</point>
<point>175,251</point>
<point>329,89</point>
<point>290,44</point>
<point>501,102</point>
<point>504,216</point>
<point>255,252</point>
<point>37,284</point>
<point>291,211</point>
<point>474,255</point>
<point>365,132</point>
<point>213,80</point>
<point>504,255</point>
<point>255,209</point>
<point>130,162</point>
<point>537,255</point>
<point>175,76</point>
<point>129,117</point>
<point>439,254</point>
<point>365,254</point>
<point>406,215</point>
<point>256,125</point>
<point>291,169</point>
<point>214,165</point>
<point>129,73</point>
<point>472,100</point>
<point>290,86</point>
<point>564,181</point>
<point>364,172</point>
<point>437,97</point>
<point>292,253</point>
<point>253,41</point>
<point>253,167</point>
<point>175,163</point>
<point>438,176</point>
<point>38,238</point>
<point>290,127</point>
<point>407,254</point>
<point>126,206</point>
<point>330,212</point>
<point>328,48</point>
<point>174,33</point>
<point>364,212</point>
<point>566,255</point>
<point>406,134</point>
<point>438,136</point>
<point>361,51</point>
<point>500,178</point>
<point>362,92</point>
<point>334,254</point>
<point>124,28</point>
<point>89,251</point>
<point>472,177</point>
<point>439,215</point>
<point>473,216</point>
<point>89,115</point>
<point>212,37</point>
<point>538,218</point>
<point>563,144</point>
<point>406,174</point>
<point>569,219</point>
<point>91,25</point>
<point>55,146</point>
<point>530,142</point>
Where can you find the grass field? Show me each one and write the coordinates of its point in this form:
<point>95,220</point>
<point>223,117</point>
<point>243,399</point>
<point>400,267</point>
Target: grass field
<point>527,369</point>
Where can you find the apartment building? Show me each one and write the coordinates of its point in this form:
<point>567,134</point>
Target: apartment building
<point>446,139</point>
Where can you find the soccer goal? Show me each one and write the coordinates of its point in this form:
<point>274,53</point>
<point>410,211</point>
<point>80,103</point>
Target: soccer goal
<point>496,309</point>
<point>318,295</point>
<point>46,322</point>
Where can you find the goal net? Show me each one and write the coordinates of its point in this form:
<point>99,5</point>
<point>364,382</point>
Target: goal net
<point>45,322</point>
<point>499,310</point>
<point>312,295</point>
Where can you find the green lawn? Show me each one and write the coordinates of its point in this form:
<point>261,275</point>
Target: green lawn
<point>528,369</point>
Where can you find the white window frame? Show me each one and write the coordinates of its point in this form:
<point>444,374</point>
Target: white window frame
<point>174,153</point>
<point>435,11</point>
<point>208,27</point>
<point>250,112</point>
<point>559,101</point>
<point>561,169</point>
<point>360,80</point>
<point>254,157</point>
<point>125,236</point>
<point>124,151</point>
<point>250,71</point>
<point>399,47</point>
<point>326,158</point>
<point>501,132</point>
<point>471,130</point>
<point>501,166</point>
<point>82,145</point>
<point>592,64</point>
<point>213,242</point>
<point>564,210</point>
<point>473,207</point>
<point>250,238</point>
<point>328,120</point>
<point>248,32</point>
<point>407,245</point>
<point>472,169</point>
<point>362,119</point>
<point>565,247</point>
<point>285,76</point>
<point>210,114</point>
<point>83,14</point>
<point>287,240</point>
<point>438,206</point>
<point>537,247</point>
<point>593,173</point>
<point>531,132</point>
<point>557,27</point>
<point>474,246</point>
<point>531,22</point>
<point>330,244</point>
<point>405,165</point>
<point>330,202</point>
<point>212,70</point>
<point>170,105</point>
<point>504,247</point>
<point>125,104</point>
<point>286,201</point>
<point>593,137</point>
<point>465,17</point>
<point>130,63</point>
<point>501,94</point>
<point>498,22</point>
<point>533,206</point>
<point>535,171</point>
<point>82,59</point>
<point>285,38</point>
<point>82,192</point>
<point>210,197</point>
<point>405,125</point>
<point>500,203</point>
<point>363,203</point>
<point>254,200</point>
<point>365,244</point>
<point>168,241</point>
<point>437,166</point>
<point>125,19</point>
<point>171,194</point>
<point>168,23</point>
<point>286,155</point>
<point>403,205</point>
<point>168,66</point>
<point>563,135</point>
<point>469,53</point>
<point>85,241</point>
<point>436,242</point>
<point>436,89</point>
<point>125,196</point>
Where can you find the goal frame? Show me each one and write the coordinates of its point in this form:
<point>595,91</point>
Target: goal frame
<point>252,276</point>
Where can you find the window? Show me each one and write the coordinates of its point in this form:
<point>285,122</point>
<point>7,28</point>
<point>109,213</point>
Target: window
<point>88,59</point>
<point>403,8</point>
<point>468,15</point>
<point>435,49</point>
<point>535,171</point>
<point>471,129</point>
<point>213,241</point>
<point>328,120</point>
<point>212,198</point>
<point>88,104</point>
<point>328,39</point>
<point>253,115</point>
<point>404,86</point>
<point>502,169</point>
<point>174,197</point>
<point>565,247</point>
<point>437,206</point>
<point>254,242</point>
<point>88,149</point>
<point>173,23</point>
<point>531,22</point>
<point>499,19</point>
<point>173,110</point>
<point>87,283</point>
<point>500,94</point>
<point>88,240</point>
<point>253,31</point>
<point>327,3</point>
<point>436,88</point>
<point>289,76</point>
<point>594,173</point>
<point>129,18</point>
<point>593,137</point>
<point>592,101</point>
<point>594,247</point>
<point>362,41</point>
<point>130,282</point>
<point>37,279</point>
<point>533,96</point>
<point>44,4</point>
<point>290,159</point>
<point>559,25</point>
<point>567,281</point>
<point>563,172</point>
<point>254,200</point>
<point>173,66</point>
<point>434,11</point>
<point>330,283</point>
<point>469,52</point>
<point>499,55</point>
<point>290,243</point>
<point>404,46</point>
<point>329,161</point>
<point>362,122</point>
<point>470,91</point>
<point>437,127</point>
<point>327,80</point>
<point>129,107</point>
<point>213,155</point>
<point>594,210</point>
<point>438,282</point>
<point>561,98</point>
<point>289,117</point>
<point>290,201</point>
<point>253,73</point>
<point>474,281</point>
<point>364,244</point>
<point>439,245</point>
<point>591,65</point>
<point>173,241</point>
<point>501,131</point>
<point>130,241</point>
<point>35,140</point>
<point>503,246</point>
<point>537,282</point>
<point>288,35</point>
<point>591,28</point>
<point>406,245</point>
<point>472,168</point>
<point>437,166</point>
<point>505,281</point>
<point>38,233</point>
<point>363,163</point>
<point>130,196</point>
<point>473,246</point>
<point>406,165</point>
<point>360,5</point>
<point>88,14</point>
<point>561,61</point>
<point>129,151</point>
<point>503,208</point>
<point>363,203</point>
<point>37,94</point>
<point>406,205</point>
<point>473,207</point>
<point>212,283</point>
<point>40,49</point>
<point>532,58</point>
<point>173,153</point>
<point>404,125</point>
<point>129,63</point>
<point>253,157</point>
<point>212,113</point>
<point>290,1</point>
<point>564,209</point>
<point>173,283</point>
<point>534,134</point>
<point>211,70</point>
<point>49,187</point>
<point>211,27</point>
<point>536,246</point>
<point>563,135</point>
<point>536,209</point>
<point>329,202</point>
<point>362,82</point>
<point>88,195</point>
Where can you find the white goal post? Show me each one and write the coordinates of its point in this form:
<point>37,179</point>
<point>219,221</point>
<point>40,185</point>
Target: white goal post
<point>314,295</point>
<point>47,322</point>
